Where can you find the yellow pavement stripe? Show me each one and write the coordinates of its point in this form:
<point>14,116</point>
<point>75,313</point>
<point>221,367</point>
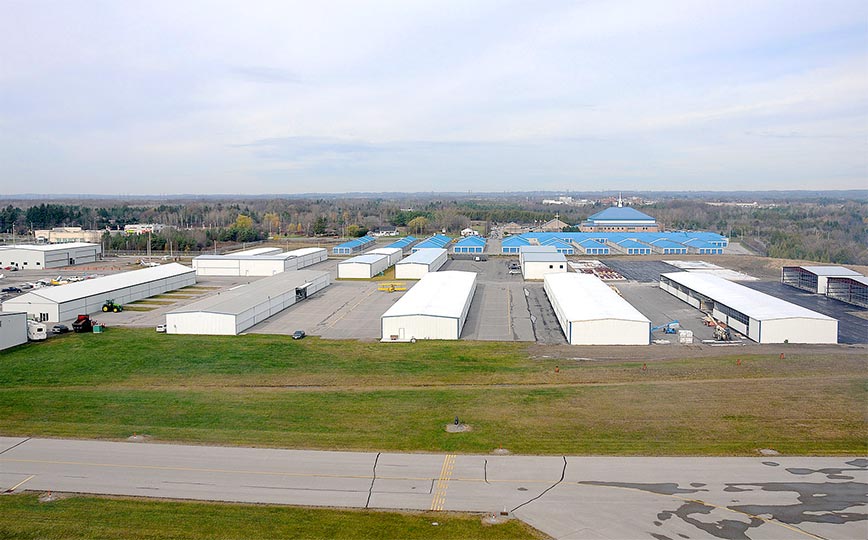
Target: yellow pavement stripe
<point>712,505</point>
<point>439,498</point>
<point>21,483</point>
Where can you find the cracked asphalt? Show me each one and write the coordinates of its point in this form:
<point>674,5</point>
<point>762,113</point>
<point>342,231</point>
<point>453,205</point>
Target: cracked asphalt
<point>566,497</point>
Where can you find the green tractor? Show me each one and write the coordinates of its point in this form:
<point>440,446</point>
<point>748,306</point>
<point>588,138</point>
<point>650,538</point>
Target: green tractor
<point>110,305</point>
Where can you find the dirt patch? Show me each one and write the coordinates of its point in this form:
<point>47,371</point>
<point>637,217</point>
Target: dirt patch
<point>501,451</point>
<point>460,428</point>
<point>769,452</point>
<point>50,496</point>
<point>139,437</point>
<point>495,519</point>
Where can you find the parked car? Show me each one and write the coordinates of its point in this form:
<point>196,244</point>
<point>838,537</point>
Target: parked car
<point>11,289</point>
<point>298,334</point>
<point>161,328</point>
<point>59,329</point>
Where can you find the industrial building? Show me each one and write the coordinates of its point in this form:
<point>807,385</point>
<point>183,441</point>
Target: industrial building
<point>619,219</point>
<point>363,266</point>
<point>421,262</point>
<point>813,278</point>
<point>65,302</point>
<point>65,235</point>
<point>354,246</point>
<point>758,316</point>
<point>260,262</point>
<point>38,257</point>
<point>13,329</point>
<point>852,290</point>
<point>536,265</point>
<point>560,246</point>
<point>394,254</point>
<point>470,244</point>
<point>243,265</point>
<point>434,308</point>
<point>231,312</point>
<point>591,313</point>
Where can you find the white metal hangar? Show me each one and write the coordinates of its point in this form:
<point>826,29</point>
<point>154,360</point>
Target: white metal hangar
<point>37,257</point>
<point>65,302</point>
<point>420,263</point>
<point>362,266</point>
<point>256,252</point>
<point>537,261</point>
<point>13,329</point>
<point>265,262</point>
<point>813,278</point>
<point>395,254</point>
<point>591,313</point>
<point>434,308</point>
<point>231,312</point>
<point>308,256</point>
<point>760,317</point>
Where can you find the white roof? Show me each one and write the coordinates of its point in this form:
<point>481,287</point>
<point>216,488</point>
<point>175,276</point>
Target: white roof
<point>105,284</point>
<point>544,257</point>
<point>754,304</point>
<point>438,294</point>
<point>836,271</point>
<point>255,251</point>
<point>537,249</point>
<point>240,257</point>
<point>861,279</point>
<point>584,297</point>
<point>364,259</point>
<point>385,251</point>
<point>239,299</point>
<point>301,252</point>
<point>423,256</point>
<point>51,247</point>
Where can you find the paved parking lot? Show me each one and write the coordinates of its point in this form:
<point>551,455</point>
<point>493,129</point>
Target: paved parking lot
<point>644,271</point>
<point>661,307</point>
<point>343,310</point>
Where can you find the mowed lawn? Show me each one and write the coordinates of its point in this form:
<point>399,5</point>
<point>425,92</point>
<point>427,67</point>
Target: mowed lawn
<point>96,517</point>
<point>273,391</point>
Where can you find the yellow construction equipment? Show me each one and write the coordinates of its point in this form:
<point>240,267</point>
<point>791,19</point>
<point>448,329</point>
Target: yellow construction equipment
<point>392,287</point>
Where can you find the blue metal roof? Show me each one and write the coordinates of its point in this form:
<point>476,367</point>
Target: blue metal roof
<point>591,244</point>
<point>620,214</point>
<point>471,241</point>
<point>515,241</point>
<point>628,243</point>
<point>403,242</point>
<point>355,242</point>
<point>438,240</point>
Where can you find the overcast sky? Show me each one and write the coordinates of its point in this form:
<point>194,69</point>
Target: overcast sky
<point>124,97</point>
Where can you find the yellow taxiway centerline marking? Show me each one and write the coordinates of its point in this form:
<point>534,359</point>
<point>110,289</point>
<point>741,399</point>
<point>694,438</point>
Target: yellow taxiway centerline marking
<point>439,498</point>
<point>21,483</point>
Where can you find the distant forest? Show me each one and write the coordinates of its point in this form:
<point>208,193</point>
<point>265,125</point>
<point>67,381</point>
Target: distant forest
<point>823,230</point>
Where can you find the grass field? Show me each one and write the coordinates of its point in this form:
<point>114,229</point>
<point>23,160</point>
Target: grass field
<point>96,517</point>
<point>273,391</point>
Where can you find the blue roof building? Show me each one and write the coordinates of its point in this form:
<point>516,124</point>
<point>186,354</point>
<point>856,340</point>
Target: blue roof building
<point>353,246</point>
<point>470,244</point>
<point>619,219</point>
<point>436,241</point>
<point>513,243</point>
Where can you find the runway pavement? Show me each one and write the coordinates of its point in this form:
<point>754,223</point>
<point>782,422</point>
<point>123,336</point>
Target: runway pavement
<point>566,497</point>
